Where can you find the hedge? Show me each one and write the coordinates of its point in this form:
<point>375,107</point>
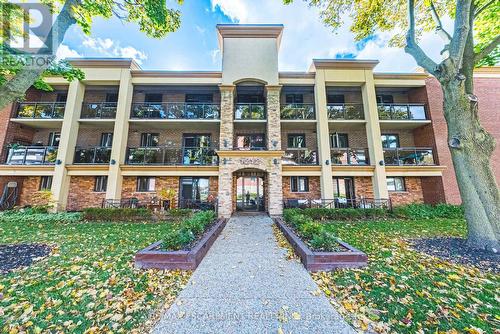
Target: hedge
<point>427,211</point>
<point>24,217</point>
<point>112,214</point>
<point>187,231</point>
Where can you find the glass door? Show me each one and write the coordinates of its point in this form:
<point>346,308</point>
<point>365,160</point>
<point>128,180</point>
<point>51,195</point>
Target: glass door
<point>343,192</point>
<point>249,193</point>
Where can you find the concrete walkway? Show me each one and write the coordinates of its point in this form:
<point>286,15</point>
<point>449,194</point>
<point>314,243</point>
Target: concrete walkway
<point>245,285</point>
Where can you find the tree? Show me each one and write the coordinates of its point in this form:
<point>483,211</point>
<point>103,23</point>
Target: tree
<point>18,74</point>
<point>474,41</point>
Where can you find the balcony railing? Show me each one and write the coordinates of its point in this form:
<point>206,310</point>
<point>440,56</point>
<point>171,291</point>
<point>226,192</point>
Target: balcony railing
<point>104,110</point>
<point>339,203</point>
<point>41,110</point>
<point>413,156</point>
<point>298,112</point>
<point>250,111</point>
<point>175,111</point>
<point>32,155</point>
<point>345,111</point>
<point>349,156</point>
<point>93,155</point>
<point>203,156</point>
<point>393,111</point>
<point>300,157</point>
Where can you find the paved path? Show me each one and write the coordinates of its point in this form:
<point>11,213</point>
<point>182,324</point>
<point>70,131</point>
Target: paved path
<point>245,285</point>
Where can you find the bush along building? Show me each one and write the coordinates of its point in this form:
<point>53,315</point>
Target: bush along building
<point>248,137</point>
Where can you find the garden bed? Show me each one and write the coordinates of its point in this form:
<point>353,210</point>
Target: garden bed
<point>350,257</point>
<point>154,257</point>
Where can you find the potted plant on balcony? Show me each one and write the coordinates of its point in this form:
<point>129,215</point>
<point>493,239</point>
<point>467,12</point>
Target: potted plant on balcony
<point>167,196</point>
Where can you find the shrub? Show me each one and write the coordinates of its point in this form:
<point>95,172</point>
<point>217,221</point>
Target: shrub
<point>111,214</point>
<point>338,214</point>
<point>25,217</point>
<point>179,212</point>
<point>426,211</point>
<point>188,231</point>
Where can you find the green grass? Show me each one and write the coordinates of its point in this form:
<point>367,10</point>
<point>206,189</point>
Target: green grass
<point>89,282</point>
<point>404,291</point>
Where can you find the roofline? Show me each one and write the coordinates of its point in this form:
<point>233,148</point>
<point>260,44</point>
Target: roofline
<point>177,74</point>
<point>249,31</point>
<point>409,76</point>
<point>343,63</point>
<point>104,63</point>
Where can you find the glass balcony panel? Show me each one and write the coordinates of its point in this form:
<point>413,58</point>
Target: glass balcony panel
<point>424,157</point>
<point>340,156</point>
<point>32,155</point>
<point>83,156</point>
<point>358,157</point>
<point>349,111</point>
<point>391,157</point>
<point>298,112</point>
<point>105,110</point>
<point>41,110</point>
<point>417,112</point>
<point>249,111</point>
<point>384,112</point>
<point>400,112</point>
<point>407,156</point>
<point>170,156</point>
<point>176,111</point>
<point>300,157</point>
<point>102,155</point>
<point>136,156</point>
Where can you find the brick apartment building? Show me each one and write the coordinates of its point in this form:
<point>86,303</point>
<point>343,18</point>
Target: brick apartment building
<point>245,138</point>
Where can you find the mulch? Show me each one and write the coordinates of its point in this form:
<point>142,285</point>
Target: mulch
<point>455,250</point>
<point>20,255</point>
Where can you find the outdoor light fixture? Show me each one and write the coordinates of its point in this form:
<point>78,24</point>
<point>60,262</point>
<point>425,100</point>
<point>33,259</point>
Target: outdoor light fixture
<point>327,162</point>
<point>58,162</point>
<point>225,143</point>
<point>275,161</point>
<point>224,161</point>
<point>381,162</point>
<point>275,143</point>
<point>113,161</point>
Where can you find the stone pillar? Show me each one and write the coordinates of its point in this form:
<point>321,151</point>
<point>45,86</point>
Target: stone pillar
<point>323,135</point>
<point>67,144</point>
<point>120,136</point>
<point>273,117</point>
<point>374,137</point>
<point>226,117</point>
<point>275,190</point>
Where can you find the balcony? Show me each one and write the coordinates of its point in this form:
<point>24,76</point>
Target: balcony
<point>201,156</point>
<point>32,155</point>
<point>93,155</point>
<point>41,110</point>
<point>102,110</point>
<point>398,112</point>
<point>298,112</point>
<point>202,111</point>
<point>250,111</point>
<point>345,111</point>
<point>300,157</point>
<point>409,156</point>
<point>349,156</point>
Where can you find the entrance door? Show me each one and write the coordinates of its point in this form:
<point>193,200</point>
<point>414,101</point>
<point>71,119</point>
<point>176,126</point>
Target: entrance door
<point>250,193</point>
<point>343,192</point>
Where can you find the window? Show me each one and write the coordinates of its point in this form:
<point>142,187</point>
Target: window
<point>61,97</point>
<point>294,98</point>
<point>390,141</point>
<point>199,98</point>
<point>150,139</point>
<point>54,138</point>
<point>101,183</point>
<point>111,97</point>
<point>251,142</point>
<point>395,184</point>
<point>153,98</point>
<point>335,99</point>
<point>145,184</point>
<point>299,184</point>
<point>296,140</point>
<point>343,187</point>
<point>45,183</point>
<point>194,189</point>
<point>106,139</point>
<point>385,99</point>
<point>339,140</point>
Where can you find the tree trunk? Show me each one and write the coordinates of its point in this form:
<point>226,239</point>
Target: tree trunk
<point>471,149</point>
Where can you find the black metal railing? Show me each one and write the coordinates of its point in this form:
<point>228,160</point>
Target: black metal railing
<point>100,110</point>
<point>339,203</point>
<point>300,156</point>
<point>298,112</point>
<point>32,155</point>
<point>204,156</point>
<point>345,111</point>
<point>204,205</point>
<point>92,155</point>
<point>349,156</point>
<point>41,110</point>
<point>175,111</point>
<point>416,156</point>
<point>250,111</point>
<point>121,203</point>
<point>407,111</point>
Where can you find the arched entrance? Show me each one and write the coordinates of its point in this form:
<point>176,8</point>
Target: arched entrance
<point>250,192</point>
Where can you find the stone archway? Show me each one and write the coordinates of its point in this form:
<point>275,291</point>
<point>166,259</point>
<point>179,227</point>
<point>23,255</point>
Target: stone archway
<point>250,190</point>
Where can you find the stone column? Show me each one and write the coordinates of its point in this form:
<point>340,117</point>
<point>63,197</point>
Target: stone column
<point>323,135</point>
<point>67,144</point>
<point>275,190</point>
<point>120,136</point>
<point>273,117</point>
<point>226,117</point>
<point>374,137</point>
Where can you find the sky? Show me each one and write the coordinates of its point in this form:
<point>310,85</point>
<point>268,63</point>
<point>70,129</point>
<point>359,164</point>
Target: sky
<point>195,47</point>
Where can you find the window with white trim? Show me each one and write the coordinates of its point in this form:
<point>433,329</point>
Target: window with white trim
<point>299,184</point>
<point>145,184</point>
<point>396,183</point>
<point>101,183</point>
<point>45,183</point>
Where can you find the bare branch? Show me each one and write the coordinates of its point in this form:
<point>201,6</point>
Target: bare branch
<point>487,49</point>
<point>439,26</point>
<point>483,7</point>
<point>460,31</point>
<point>412,46</point>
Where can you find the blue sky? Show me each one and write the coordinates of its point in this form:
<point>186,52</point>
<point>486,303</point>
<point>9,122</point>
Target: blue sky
<point>194,46</point>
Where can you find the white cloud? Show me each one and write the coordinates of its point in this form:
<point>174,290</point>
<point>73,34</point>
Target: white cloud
<point>65,51</point>
<point>106,47</point>
<point>235,9</point>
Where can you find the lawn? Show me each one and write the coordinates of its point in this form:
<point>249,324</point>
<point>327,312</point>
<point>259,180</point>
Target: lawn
<point>88,284</point>
<point>404,291</point>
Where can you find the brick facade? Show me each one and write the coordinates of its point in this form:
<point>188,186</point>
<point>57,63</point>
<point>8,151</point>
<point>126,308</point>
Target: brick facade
<point>363,187</point>
<point>30,195</point>
<point>313,193</point>
<point>412,194</point>
<point>82,194</point>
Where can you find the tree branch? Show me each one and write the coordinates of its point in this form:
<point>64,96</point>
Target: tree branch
<point>439,26</point>
<point>483,7</point>
<point>25,78</point>
<point>487,49</point>
<point>412,46</point>
<point>460,31</point>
